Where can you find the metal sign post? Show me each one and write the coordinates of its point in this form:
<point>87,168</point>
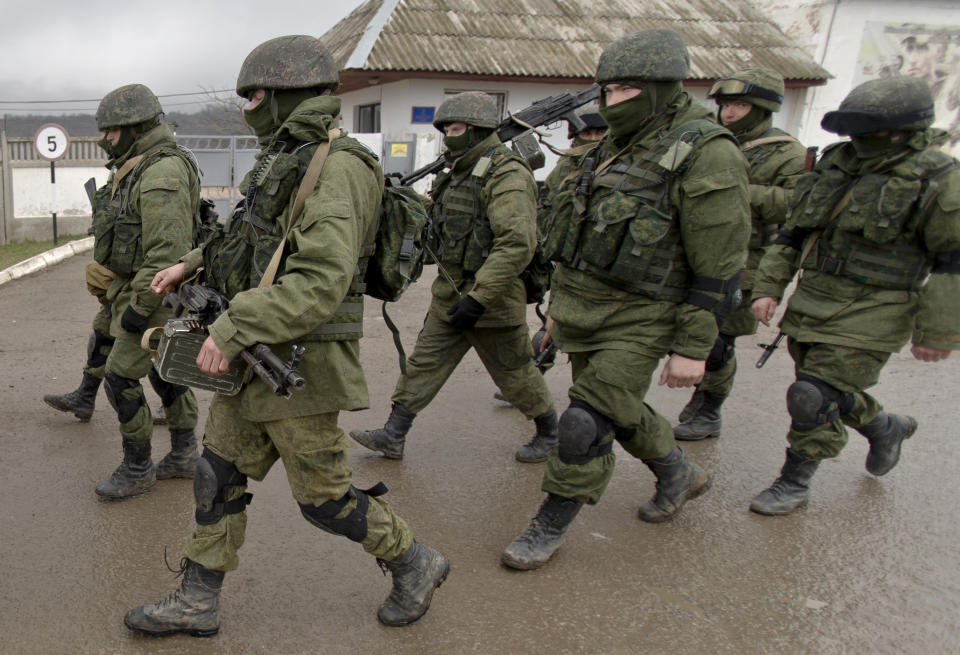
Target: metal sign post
<point>51,142</point>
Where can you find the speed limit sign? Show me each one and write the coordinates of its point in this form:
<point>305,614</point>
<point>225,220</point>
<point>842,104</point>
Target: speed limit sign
<point>51,141</point>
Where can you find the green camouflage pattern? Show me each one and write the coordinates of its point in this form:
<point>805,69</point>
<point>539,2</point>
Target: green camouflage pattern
<point>762,78</point>
<point>656,55</point>
<point>505,352</point>
<point>471,107</point>
<point>901,218</point>
<point>318,271</point>
<point>851,370</point>
<point>314,452</point>
<point>129,105</point>
<point>508,203</point>
<point>288,62</point>
<point>890,97</point>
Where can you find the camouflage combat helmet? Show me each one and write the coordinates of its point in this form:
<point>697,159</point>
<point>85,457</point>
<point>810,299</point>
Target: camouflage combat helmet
<point>758,86</point>
<point>288,62</point>
<point>891,103</point>
<point>590,115</point>
<point>129,105</point>
<point>473,108</point>
<point>650,56</point>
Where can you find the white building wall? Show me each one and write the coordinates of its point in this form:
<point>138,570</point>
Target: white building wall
<point>32,190</point>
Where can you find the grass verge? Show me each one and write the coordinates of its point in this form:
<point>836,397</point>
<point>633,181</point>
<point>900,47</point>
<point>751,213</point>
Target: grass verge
<point>13,253</point>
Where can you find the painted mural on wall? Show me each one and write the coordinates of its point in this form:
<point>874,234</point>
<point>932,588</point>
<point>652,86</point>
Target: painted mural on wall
<point>931,52</point>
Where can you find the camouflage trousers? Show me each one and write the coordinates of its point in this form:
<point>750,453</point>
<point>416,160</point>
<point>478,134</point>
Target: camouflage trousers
<point>851,370</point>
<point>613,382</point>
<point>100,345</point>
<point>314,454</point>
<point>129,362</point>
<point>506,353</point>
<point>739,323</point>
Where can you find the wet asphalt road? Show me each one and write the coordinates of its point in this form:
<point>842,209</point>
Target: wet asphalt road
<point>869,567</point>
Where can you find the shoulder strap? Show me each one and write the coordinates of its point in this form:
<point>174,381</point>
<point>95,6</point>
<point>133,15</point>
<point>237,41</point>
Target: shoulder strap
<point>766,140</point>
<point>128,166</point>
<point>307,185</point>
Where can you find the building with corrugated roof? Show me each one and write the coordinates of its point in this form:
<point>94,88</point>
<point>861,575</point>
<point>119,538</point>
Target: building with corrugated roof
<point>400,59</point>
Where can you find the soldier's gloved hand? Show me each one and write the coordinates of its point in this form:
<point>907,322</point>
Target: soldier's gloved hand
<point>131,321</point>
<point>465,313</point>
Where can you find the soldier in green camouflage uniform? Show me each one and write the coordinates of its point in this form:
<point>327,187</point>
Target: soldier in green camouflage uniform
<point>143,222</point>
<point>316,301</point>
<point>746,100</point>
<point>649,238</point>
<point>876,229</point>
<point>580,142</point>
<point>484,222</point>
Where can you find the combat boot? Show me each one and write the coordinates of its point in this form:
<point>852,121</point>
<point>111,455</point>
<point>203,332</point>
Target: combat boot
<point>543,441</point>
<point>690,409</point>
<point>135,474</point>
<point>678,480</point>
<point>181,461</point>
<point>81,401</point>
<point>416,574</point>
<point>704,421</point>
<point>391,438</point>
<point>193,608</point>
<point>791,490</point>
<point>886,434</point>
<point>537,544</point>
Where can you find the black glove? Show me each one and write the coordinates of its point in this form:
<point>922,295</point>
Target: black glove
<point>131,321</point>
<point>465,313</point>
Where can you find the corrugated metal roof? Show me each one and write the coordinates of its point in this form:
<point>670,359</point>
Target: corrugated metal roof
<point>558,38</point>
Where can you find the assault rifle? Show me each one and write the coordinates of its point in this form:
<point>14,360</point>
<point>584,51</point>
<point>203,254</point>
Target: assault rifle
<point>205,305</point>
<point>542,112</point>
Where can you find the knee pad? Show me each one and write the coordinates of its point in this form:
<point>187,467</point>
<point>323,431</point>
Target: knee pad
<point>811,402</point>
<point>579,432</point>
<point>353,526</point>
<point>167,391</point>
<point>96,345</point>
<point>125,407</point>
<point>214,475</point>
<point>721,353</point>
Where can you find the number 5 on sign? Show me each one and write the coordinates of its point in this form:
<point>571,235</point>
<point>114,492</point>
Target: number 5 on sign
<point>51,142</point>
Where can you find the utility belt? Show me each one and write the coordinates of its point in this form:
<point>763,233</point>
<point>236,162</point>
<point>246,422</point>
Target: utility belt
<point>897,266</point>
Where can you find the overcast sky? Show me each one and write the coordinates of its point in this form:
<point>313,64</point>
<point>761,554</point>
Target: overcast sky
<point>81,49</point>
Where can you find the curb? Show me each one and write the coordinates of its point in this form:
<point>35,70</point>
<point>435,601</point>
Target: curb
<point>46,259</point>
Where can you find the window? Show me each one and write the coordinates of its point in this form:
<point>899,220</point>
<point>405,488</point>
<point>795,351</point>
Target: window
<point>501,99</point>
<point>368,119</point>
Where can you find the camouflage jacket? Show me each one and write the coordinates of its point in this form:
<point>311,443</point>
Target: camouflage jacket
<point>908,207</point>
<point>508,201</point>
<point>708,197</point>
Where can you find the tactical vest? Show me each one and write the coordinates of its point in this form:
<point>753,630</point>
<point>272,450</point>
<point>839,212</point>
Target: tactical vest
<point>621,226</point>
<point>236,258</point>
<point>461,227</point>
<point>117,227</point>
<point>763,234</point>
<point>870,223</point>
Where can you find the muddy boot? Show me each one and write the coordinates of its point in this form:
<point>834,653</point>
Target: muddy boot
<point>543,441</point>
<point>81,401</point>
<point>135,474</point>
<point>389,439</point>
<point>791,490</point>
<point>193,608</point>
<point>678,480</point>
<point>181,461</point>
<point>159,416</point>
<point>886,434</point>
<point>416,574</point>
<point>537,544</point>
<point>705,421</point>
<point>690,409</point>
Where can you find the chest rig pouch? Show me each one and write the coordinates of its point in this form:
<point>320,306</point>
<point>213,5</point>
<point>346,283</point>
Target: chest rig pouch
<point>618,223</point>
<point>873,235</point>
<point>460,222</point>
<point>104,216</point>
<point>757,152</point>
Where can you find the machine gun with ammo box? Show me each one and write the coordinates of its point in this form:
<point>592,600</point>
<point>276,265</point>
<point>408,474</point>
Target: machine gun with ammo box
<point>176,356</point>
